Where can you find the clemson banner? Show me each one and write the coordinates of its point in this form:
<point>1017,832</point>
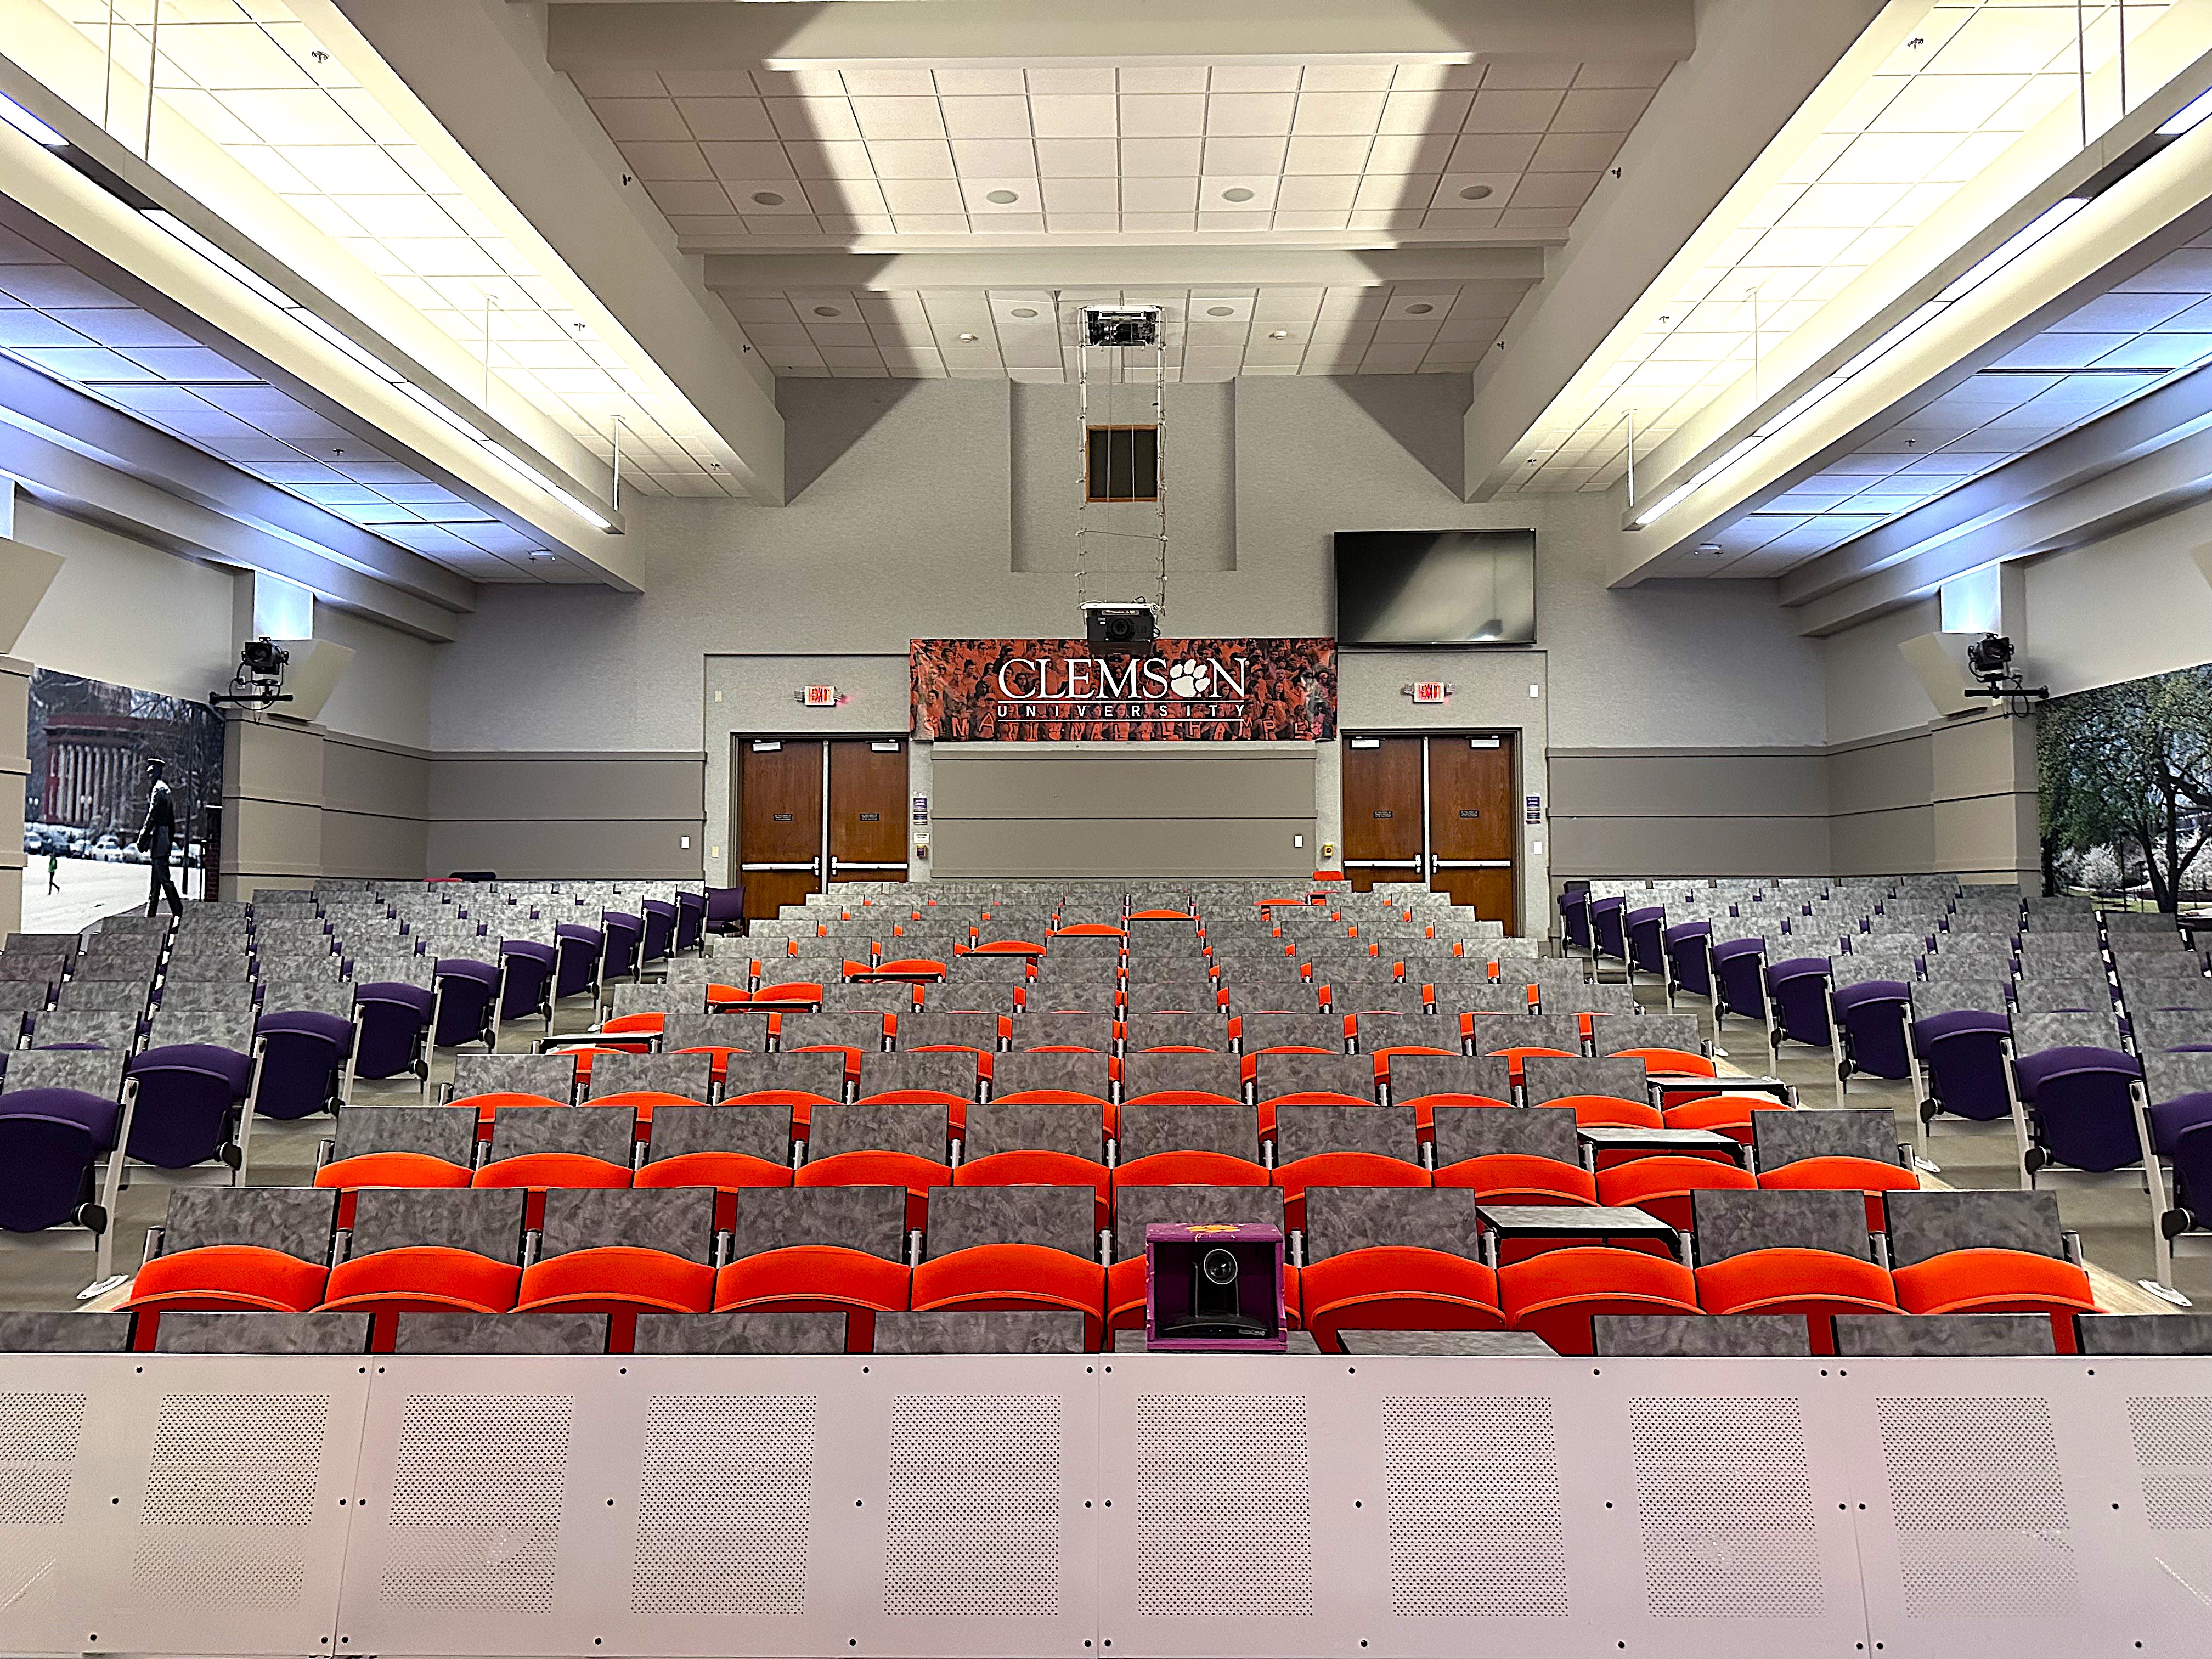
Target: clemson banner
<point>1054,690</point>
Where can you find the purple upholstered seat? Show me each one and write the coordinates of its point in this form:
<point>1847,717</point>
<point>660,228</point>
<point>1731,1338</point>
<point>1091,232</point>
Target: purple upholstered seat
<point>2080,1108</point>
<point>578,959</point>
<point>624,934</point>
<point>394,1017</point>
<point>1798,989</point>
<point>1685,947</point>
<point>690,920</point>
<point>1872,1015</point>
<point>1963,1058</point>
<point>1738,971</point>
<point>466,1000</point>
<point>303,1056</point>
<point>49,1140</point>
<point>660,918</point>
<point>1609,928</point>
<point>1575,916</point>
<point>1647,953</point>
<point>726,909</point>
<point>188,1099</point>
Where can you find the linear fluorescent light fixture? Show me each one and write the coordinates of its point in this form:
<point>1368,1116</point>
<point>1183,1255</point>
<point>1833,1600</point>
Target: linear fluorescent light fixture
<point>335,338</point>
<point>29,125</point>
<point>2190,115</point>
<point>1978,273</point>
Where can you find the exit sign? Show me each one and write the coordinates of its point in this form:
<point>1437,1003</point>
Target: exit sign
<point>818,697</point>
<point>1428,691</point>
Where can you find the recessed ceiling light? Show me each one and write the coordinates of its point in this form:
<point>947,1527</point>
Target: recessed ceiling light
<point>1418,311</point>
<point>1238,194</point>
<point>768,198</point>
<point>828,311</point>
<point>1024,311</point>
<point>970,337</point>
<point>1476,192</point>
<point>1001,197</point>
<point>1221,310</point>
<point>1280,334</point>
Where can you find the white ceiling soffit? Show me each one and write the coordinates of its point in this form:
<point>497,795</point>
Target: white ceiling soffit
<point>1922,134</point>
<point>1920,162</point>
<point>996,314</point>
<point>96,292</point>
<point>291,130</point>
<point>132,344</point>
<point>2122,349</point>
<point>864,167</point>
<point>2105,219</point>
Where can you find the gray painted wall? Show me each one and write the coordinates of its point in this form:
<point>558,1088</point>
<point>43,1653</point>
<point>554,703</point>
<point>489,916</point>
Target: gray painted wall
<point>1168,809</point>
<point>626,813</point>
<point>375,802</point>
<point>924,515</point>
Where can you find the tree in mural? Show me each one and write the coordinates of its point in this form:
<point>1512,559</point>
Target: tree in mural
<point>2130,767</point>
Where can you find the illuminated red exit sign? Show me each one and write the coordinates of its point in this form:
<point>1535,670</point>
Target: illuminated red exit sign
<point>818,697</point>
<point>1428,691</point>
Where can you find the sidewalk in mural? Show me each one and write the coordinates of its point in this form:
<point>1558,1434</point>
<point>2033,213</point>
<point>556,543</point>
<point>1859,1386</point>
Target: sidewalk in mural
<point>89,891</point>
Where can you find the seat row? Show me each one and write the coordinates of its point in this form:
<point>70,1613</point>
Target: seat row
<point>1372,1258</point>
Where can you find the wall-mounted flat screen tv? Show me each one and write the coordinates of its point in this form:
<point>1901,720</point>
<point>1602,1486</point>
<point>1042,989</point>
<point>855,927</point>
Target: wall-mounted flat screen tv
<point>1435,586</point>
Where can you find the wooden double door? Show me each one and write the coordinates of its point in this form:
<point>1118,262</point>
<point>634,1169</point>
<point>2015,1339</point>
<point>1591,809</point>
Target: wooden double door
<point>1437,810</point>
<point>811,811</point>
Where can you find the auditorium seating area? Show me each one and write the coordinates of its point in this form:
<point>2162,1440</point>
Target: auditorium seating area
<point>890,1102</point>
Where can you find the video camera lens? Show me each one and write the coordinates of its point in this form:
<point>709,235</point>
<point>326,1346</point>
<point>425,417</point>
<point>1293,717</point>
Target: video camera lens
<point>1219,1267</point>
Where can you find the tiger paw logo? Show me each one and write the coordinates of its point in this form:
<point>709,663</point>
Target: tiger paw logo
<point>1187,679</point>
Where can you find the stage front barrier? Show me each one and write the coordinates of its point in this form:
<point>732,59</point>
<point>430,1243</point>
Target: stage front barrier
<point>1137,1505</point>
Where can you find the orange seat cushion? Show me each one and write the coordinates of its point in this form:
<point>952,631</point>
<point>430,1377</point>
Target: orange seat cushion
<point>246,1276</point>
<point>424,1278</point>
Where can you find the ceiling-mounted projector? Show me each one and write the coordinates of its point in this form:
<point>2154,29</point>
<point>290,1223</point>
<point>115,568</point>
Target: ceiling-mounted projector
<point>1121,325</point>
<point>1121,627</point>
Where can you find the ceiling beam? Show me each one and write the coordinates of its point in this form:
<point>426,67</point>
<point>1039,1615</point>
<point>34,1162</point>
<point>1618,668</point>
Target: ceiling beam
<point>1120,267</point>
<point>2165,481</point>
<point>1757,64</point>
<point>31,402</point>
<point>830,33</point>
<point>73,453</point>
<point>2179,411</point>
<point>479,67</point>
<point>2164,203</point>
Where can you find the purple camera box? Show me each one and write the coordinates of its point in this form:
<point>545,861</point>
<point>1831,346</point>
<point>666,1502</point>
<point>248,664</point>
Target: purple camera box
<point>1172,1252</point>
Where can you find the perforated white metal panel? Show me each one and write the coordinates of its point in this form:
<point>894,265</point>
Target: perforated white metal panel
<point>39,1437</point>
<point>1224,1507</point>
<point>921,1508</point>
<point>1979,1504</point>
<point>2173,1453</point>
<point>1444,1520</point>
<point>886,1506</point>
<point>725,1505</point>
<point>184,1504</point>
<point>1724,1494</point>
<point>2014,1506</point>
<point>1477,1528</point>
<point>973,1506</point>
<point>232,1486</point>
<point>474,1513</point>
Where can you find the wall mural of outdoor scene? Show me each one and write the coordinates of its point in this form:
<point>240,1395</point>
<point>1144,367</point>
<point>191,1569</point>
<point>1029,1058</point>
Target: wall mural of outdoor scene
<point>85,800</point>
<point>2126,784</point>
